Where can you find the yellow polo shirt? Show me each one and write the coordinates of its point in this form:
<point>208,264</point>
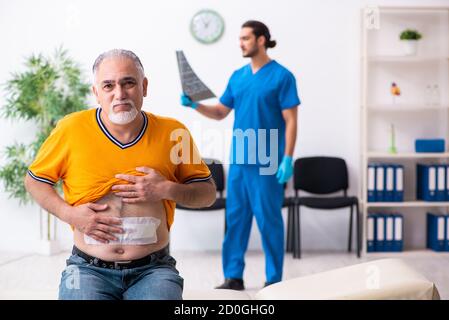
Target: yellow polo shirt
<point>86,157</point>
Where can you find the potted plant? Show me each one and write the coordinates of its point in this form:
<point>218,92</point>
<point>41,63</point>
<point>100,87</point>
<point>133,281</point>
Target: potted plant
<point>45,91</point>
<point>409,40</point>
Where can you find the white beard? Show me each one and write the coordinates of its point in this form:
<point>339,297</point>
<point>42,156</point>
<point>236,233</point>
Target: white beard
<point>123,117</point>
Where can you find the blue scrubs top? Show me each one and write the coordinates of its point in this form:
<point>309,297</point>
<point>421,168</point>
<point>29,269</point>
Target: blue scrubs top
<point>258,100</point>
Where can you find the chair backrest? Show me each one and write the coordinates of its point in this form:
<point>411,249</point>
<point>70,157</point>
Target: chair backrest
<point>320,175</point>
<point>217,171</point>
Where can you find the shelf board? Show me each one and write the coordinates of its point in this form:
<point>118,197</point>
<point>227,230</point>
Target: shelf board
<point>413,252</point>
<point>406,59</point>
<point>406,108</point>
<point>407,155</point>
<point>406,204</point>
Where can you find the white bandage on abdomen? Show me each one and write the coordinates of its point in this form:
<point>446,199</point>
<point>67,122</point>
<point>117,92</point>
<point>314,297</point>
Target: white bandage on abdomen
<point>137,230</point>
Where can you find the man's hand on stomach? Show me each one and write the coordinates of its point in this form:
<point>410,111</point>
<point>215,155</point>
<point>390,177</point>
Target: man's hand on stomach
<point>100,227</point>
<point>151,187</point>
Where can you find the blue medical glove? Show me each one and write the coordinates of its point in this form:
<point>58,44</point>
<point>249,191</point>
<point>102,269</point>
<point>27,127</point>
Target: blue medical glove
<point>285,170</point>
<point>187,102</point>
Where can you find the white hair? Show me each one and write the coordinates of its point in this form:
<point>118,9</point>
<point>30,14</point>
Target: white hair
<point>118,53</point>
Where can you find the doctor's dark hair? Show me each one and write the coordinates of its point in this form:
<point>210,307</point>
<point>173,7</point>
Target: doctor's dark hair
<point>260,29</point>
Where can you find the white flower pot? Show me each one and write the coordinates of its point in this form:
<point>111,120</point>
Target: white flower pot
<point>48,247</point>
<point>410,47</point>
<point>48,244</point>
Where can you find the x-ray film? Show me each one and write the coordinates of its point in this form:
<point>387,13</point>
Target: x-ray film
<point>191,84</point>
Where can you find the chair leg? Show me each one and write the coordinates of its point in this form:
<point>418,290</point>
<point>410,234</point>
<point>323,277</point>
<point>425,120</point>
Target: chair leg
<point>350,230</point>
<point>294,233</point>
<point>297,233</point>
<point>359,230</point>
<point>289,228</point>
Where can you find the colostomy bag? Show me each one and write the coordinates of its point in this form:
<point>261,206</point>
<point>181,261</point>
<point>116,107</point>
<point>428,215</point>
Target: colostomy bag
<point>137,231</point>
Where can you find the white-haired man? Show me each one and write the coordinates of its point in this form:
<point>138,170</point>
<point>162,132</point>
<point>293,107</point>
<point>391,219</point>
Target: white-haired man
<point>122,170</point>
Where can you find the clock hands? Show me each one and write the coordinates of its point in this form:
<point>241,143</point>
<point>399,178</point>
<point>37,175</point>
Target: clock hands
<point>205,23</point>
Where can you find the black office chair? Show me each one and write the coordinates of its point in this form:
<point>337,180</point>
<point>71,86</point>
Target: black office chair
<point>217,171</point>
<point>321,175</point>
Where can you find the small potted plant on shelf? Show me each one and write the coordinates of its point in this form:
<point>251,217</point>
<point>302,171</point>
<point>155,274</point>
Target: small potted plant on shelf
<point>409,39</point>
<point>45,91</point>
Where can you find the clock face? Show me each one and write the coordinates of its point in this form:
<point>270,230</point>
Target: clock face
<point>207,26</point>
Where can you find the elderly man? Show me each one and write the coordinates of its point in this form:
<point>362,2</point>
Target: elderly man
<point>122,170</point>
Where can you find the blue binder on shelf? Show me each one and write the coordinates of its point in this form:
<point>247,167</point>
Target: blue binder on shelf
<point>380,232</point>
<point>440,194</point>
<point>447,183</point>
<point>426,182</point>
<point>436,231</point>
<point>380,178</point>
<point>399,183</point>
<point>371,233</point>
<point>398,234</point>
<point>371,183</point>
<point>389,232</point>
<point>389,183</point>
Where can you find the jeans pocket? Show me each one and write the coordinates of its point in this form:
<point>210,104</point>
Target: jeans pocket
<point>75,259</point>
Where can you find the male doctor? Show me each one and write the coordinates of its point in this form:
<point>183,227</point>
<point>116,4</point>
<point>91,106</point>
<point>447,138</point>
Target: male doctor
<point>264,96</point>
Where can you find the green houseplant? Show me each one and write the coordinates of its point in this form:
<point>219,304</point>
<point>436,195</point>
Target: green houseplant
<point>45,91</point>
<point>409,39</point>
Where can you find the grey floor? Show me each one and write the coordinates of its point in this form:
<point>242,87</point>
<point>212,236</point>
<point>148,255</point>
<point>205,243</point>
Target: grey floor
<point>31,276</point>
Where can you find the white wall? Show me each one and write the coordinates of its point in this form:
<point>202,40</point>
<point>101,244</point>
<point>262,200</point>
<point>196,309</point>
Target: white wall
<point>317,40</point>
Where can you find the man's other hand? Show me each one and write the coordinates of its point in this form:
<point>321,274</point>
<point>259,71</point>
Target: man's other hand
<point>97,226</point>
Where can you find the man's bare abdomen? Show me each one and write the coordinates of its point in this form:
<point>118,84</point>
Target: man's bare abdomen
<point>121,252</point>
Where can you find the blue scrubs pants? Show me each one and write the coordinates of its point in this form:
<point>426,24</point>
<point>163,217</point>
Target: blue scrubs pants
<point>250,193</point>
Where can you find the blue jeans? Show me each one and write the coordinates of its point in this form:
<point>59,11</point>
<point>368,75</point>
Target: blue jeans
<point>159,280</point>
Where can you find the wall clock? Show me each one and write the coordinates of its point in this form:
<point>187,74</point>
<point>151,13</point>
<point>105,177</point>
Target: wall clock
<point>207,26</point>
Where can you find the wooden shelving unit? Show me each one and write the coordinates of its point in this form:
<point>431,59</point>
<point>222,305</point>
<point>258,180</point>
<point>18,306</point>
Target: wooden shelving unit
<point>414,116</point>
